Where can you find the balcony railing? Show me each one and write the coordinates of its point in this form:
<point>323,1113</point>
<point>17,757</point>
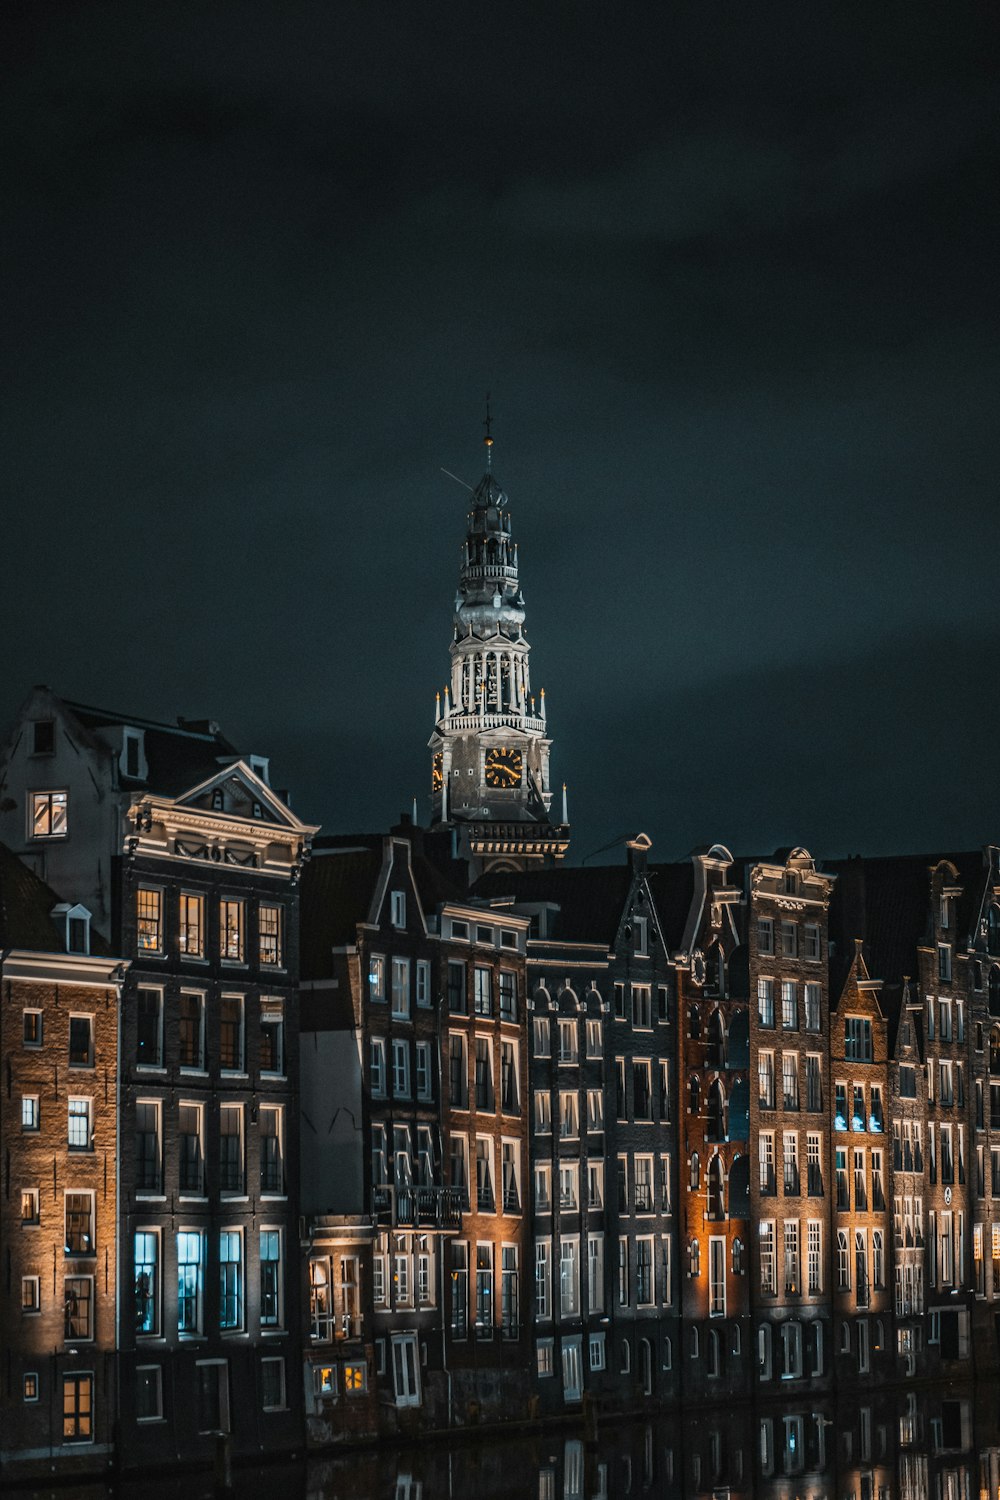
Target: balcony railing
<point>418,1207</point>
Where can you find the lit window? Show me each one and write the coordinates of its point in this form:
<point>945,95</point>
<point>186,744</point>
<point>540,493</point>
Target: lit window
<point>78,1408</point>
<point>192,925</point>
<point>79,1224</point>
<point>49,819</point>
<point>32,1028</point>
<point>355,1379</point>
<point>271,944</point>
<point>29,1205</point>
<point>147,1281</point>
<point>149,920</point>
<point>78,1318</point>
<point>231,930</point>
<point>376,977</point>
<point>78,1133</point>
<point>189,1281</point>
<point>230,1279</point>
<point>29,1385</point>
<point>31,1294</point>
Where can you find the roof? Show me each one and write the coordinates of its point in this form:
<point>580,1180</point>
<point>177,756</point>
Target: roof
<point>25,906</point>
<point>886,902</point>
<point>337,891</point>
<point>590,898</point>
<point>178,755</point>
<point>673,891</point>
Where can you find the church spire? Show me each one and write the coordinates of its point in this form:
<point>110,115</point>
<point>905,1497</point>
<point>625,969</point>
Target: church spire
<point>490,770</point>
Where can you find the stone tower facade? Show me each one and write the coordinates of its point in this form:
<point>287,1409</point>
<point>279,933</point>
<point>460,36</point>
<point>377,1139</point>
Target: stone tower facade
<point>490,746</point>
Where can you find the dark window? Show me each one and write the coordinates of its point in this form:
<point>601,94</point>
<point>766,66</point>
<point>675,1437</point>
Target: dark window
<point>191,1055</point>
<point>147,1045</point>
<point>43,740</point>
<point>147,1147</point>
<point>81,1052</point>
<point>457,1002</point>
<point>271,1049</point>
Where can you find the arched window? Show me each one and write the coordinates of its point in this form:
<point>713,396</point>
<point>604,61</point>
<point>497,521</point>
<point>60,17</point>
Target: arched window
<point>694,1258</point>
<point>714,1360</point>
<point>695,1342</point>
<point>716,1111</point>
<point>737,1270</point>
<point>626,1356</point>
<point>994,1000</point>
<point>739,1041</point>
<point>993,930</point>
<point>716,1188</point>
<point>764,1351</point>
<point>843,1262</point>
<point>694,1022</point>
<point>646,1366</point>
<point>716,1036</point>
<point>695,1172</point>
<point>737,1339</point>
<point>668,1353</point>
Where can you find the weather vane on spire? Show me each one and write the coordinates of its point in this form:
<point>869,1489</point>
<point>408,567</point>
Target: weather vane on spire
<point>488,440</point>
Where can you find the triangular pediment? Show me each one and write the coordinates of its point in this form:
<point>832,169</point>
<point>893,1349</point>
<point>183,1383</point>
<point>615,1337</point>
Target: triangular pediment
<point>236,791</point>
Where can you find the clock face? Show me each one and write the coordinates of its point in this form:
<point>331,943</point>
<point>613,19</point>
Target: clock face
<point>503,767</point>
<point>437,776</point>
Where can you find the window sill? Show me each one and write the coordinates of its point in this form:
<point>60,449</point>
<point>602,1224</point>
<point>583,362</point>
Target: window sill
<point>195,958</point>
<point>233,1073</point>
<point>150,1069</point>
<point>193,1072</point>
<point>273,1075</point>
<point>192,1198</point>
<point>234,963</point>
<point>143,1197</point>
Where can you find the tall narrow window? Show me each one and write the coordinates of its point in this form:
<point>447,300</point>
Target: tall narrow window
<point>192,925</point>
<point>149,920</point>
<point>272,1037</point>
<point>270,1278</point>
<point>401,988</point>
<point>231,944</point>
<point>230,1279</point>
<point>191,1175</point>
<point>231,1148</point>
<point>272,1166</point>
<point>147,1281</point>
<point>148,1148</point>
<point>271,936</point>
<point>192,1030</point>
<point>231,1033</point>
<point>484,1289</point>
<point>189,1281</point>
<point>149,1028</point>
<point>79,1224</point>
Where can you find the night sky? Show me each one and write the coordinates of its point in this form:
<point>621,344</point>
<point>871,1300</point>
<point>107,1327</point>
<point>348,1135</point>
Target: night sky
<point>730,274</point>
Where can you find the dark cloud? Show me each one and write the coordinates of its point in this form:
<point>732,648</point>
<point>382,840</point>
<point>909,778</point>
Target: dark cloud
<point>731,277</point>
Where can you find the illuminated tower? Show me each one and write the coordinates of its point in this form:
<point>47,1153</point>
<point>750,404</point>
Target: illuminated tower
<point>490,747</point>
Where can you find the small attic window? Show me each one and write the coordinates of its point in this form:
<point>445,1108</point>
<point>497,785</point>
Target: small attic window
<point>398,904</point>
<point>258,811</point>
<point>43,737</point>
<point>74,922</point>
<point>132,756</point>
<point>217,800</point>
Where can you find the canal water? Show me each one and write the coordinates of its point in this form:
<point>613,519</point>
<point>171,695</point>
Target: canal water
<point>942,1443</point>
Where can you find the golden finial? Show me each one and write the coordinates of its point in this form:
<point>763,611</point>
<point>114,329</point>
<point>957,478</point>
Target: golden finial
<point>488,439</point>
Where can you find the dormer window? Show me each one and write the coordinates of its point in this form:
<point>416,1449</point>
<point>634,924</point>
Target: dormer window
<point>74,923</point>
<point>260,765</point>
<point>398,908</point>
<point>944,915</point>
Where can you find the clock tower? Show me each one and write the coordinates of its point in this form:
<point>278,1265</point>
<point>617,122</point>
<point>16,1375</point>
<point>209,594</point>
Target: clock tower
<point>490,746</point>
